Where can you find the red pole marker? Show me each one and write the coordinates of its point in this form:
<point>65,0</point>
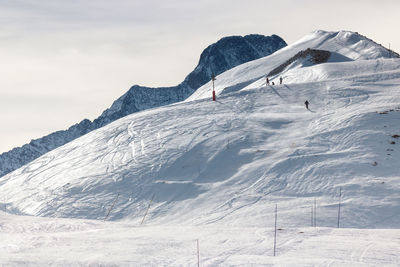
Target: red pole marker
<point>213,79</point>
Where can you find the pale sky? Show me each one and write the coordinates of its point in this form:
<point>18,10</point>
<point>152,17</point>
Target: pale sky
<point>66,60</point>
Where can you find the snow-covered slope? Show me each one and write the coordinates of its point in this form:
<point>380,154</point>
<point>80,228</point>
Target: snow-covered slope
<point>218,57</point>
<point>343,45</point>
<point>30,241</point>
<point>212,172</point>
<point>228,162</point>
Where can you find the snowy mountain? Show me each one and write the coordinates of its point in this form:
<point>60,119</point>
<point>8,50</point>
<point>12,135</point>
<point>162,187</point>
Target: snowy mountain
<point>217,58</point>
<point>202,162</point>
<point>212,172</point>
<point>343,46</point>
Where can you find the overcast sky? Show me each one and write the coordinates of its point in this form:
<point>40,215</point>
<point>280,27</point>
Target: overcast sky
<point>66,60</point>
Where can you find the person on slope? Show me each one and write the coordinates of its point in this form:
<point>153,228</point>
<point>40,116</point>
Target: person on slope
<point>267,80</point>
<point>280,80</point>
<point>306,103</point>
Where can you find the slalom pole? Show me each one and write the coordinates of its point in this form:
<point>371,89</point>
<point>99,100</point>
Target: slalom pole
<point>115,200</point>
<point>312,216</point>
<point>213,92</point>
<point>198,253</point>
<point>147,210</point>
<point>315,212</point>
<point>338,217</point>
<point>276,218</point>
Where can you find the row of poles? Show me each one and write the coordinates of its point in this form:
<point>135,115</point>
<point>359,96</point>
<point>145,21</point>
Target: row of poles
<point>313,223</point>
<point>313,219</point>
<point>313,216</point>
<point>314,211</point>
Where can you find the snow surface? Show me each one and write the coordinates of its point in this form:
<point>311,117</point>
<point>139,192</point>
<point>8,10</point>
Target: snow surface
<point>214,171</point>
<point>70,242</point>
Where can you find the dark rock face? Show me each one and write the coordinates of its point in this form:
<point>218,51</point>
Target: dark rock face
<point>314,56</point>
<point>230,52</point>
<point>217,58</point>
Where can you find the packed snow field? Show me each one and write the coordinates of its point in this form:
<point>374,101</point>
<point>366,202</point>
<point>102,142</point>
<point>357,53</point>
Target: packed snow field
<point>73,242</point>
<point>213,172</point>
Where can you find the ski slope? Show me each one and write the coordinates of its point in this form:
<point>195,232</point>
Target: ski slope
<point>29,241</point>
<point>215,170</point>
<point>206,162</point>
<point>344,46</point>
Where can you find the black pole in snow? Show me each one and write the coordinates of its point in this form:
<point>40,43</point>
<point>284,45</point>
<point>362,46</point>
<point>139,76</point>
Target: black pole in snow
<point>315,212</point>
<point>338,217</point>
<point>276,218</point>
<point>198,254</point>
<point>312,216</point>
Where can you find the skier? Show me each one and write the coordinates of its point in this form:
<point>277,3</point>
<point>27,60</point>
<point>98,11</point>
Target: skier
<point>280,80</point>
<point>267,80</point>
<point>306,103</point>
<point>273,83</point>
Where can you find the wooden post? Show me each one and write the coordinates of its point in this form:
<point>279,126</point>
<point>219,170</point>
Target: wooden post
<point>147,210</point>
<point>115,200</point>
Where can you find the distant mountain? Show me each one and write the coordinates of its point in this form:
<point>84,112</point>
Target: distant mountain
<point>216,58</point>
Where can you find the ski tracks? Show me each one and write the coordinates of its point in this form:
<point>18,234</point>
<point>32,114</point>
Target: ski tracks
<point>136,141</point>
<point>360,259</point>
